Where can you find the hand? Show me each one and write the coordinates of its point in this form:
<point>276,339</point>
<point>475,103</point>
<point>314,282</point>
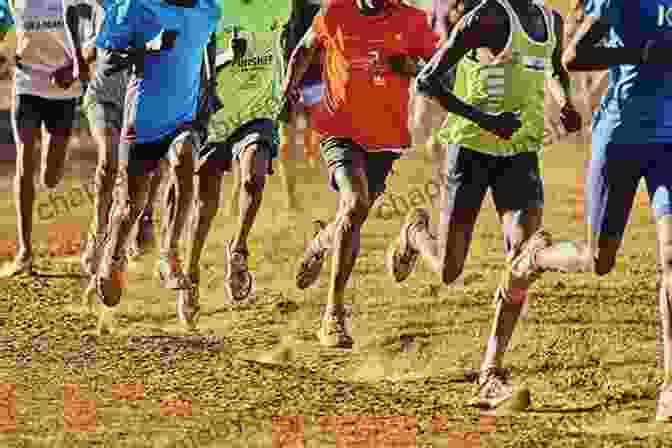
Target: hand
<point>64,77</point>
<point>570,118</point>
<point>503,124</point>
<point>403,65</point>
<point>288,98</point>
<point>239,47</point>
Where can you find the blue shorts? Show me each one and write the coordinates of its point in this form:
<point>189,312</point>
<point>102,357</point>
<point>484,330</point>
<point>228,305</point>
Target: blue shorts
<point>614,173</point>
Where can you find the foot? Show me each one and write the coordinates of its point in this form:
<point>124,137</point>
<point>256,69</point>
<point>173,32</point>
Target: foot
<point>91,254</point>
<point>664,409</point>
<point>401,255</point>
<point>522,271</point>
<point>494,389</point>
<point>238,280</point>
<point>22,266</point>
<point>112,281</point>
<point>169,273</point>
<point>336,328</point>
<point>188,304</point>
<point>312,261</point>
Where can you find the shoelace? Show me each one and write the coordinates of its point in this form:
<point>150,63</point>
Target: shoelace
<point>239,260</point>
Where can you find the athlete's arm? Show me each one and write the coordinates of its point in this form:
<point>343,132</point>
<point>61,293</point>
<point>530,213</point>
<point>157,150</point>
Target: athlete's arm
<point>559,82</point>
<point>584,54</point>
<point>475,30</point>
<point>85,54</point>
<point>301,59</point>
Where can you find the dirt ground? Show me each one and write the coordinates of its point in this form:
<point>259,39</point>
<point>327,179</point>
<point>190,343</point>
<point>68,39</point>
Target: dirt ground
<point>586,350</point>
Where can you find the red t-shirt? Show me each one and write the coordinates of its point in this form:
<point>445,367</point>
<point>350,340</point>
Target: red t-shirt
<point>364,100</point>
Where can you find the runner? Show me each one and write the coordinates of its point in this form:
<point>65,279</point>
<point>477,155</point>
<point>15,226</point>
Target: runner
<point>303,12</point>
<point>363,118</point>
<point>428,115</point>
<point>241,134</point>
<point>155,128</point>
<point>506,50</point>
<point>631,140</point>
<point>104,105</point>
<point>45,92</point>
<point>590,86</point>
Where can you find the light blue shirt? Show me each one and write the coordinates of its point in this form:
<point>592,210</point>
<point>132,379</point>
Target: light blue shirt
<point>167,95</point>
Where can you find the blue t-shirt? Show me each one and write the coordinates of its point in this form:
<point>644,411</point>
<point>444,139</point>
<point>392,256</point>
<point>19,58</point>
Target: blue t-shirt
<point>167,96</point>
<point>6,21</point>
<point>637,107</point>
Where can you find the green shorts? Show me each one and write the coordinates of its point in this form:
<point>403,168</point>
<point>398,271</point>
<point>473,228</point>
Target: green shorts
<point>340,152</point>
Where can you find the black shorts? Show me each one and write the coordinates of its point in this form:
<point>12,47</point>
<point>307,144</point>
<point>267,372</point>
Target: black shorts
<point>515,180</point>
<point>31,112</point>
<point>143,158</point>
<point>339,152</point>
<point>220,155</point>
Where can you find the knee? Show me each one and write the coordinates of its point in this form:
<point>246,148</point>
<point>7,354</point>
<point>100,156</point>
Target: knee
<point>107,168</point>
<point>356,209</point>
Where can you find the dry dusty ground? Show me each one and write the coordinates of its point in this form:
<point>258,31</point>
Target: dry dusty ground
<point>586,349</point>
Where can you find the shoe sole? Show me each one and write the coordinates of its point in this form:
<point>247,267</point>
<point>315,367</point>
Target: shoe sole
<point>399,276</point>
<point>305,278</point>
<point>241,298</point>
<point>419,215</point>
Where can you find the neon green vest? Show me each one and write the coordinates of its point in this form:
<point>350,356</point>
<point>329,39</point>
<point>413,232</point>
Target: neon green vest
<point>516,83</point>
<point>247,88</point>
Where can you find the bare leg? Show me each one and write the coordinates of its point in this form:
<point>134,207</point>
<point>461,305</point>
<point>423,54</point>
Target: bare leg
<point>254,162</point>
<point>518,227</point>
<point>665,304</point>
<point>206,205</point>
<point>286,160</point>
<point>234,204</point>
<point>107,141</point>
<point>179,195</point>
<point>459,208</point>
<point>24,188</point>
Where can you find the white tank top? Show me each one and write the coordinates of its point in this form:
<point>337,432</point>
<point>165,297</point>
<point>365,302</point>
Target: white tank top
<point>42,46</point>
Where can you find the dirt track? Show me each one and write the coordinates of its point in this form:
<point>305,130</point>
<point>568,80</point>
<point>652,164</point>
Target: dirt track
<point>586,350</point>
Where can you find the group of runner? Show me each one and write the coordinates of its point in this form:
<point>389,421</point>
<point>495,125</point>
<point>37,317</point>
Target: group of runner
<point>488,68</point>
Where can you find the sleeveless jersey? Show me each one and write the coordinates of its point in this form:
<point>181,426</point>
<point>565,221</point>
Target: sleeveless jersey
<point>514,82</point>
<point>247,88</point>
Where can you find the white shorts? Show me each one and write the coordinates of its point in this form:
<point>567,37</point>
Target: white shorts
<point>311,94</point>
